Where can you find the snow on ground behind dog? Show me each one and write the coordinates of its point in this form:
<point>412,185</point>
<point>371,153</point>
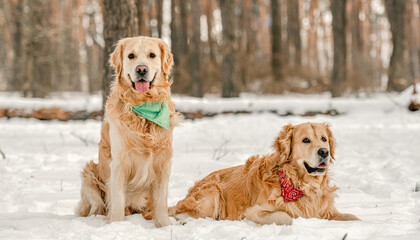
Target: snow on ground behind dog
<point>377,169</point>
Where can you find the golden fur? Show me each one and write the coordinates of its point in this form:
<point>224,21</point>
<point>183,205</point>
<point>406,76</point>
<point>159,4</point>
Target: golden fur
<point>134,154</point>
<point>253,190</point>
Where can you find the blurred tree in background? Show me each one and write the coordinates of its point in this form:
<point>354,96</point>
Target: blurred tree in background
<point>276,57</point>
<point>339,22</point>
<point>399,73</point>
<point>119,22</point>
<point>220,47</point>
<point>196,81</point>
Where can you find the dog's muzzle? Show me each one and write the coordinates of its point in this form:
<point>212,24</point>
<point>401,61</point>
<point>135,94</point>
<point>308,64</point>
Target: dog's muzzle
<point>319,169</point>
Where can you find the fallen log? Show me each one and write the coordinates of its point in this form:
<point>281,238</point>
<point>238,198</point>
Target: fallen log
<point>62,115</point>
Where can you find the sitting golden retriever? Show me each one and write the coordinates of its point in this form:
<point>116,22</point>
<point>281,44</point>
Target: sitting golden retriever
<point>136,140</point>
<point>290,183</point>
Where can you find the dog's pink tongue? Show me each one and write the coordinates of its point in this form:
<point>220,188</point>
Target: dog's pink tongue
<point>322,166</point>
<point>142,86</point>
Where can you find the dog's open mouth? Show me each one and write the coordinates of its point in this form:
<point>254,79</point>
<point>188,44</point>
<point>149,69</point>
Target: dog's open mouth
<point>320,168</point>
<point>142,86</point>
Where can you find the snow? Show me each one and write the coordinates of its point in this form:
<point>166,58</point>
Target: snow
<point>377,169</point>
<point>70,101</point>
<point>283,105</point>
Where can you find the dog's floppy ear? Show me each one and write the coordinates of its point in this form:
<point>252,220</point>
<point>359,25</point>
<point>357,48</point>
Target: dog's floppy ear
<point>167,58</point>
<point>116,57</point>
<point>283,143</point>
<point>331,140</point>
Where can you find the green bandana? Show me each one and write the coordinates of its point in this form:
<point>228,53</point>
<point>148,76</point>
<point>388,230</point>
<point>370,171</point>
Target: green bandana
<point>155,112</point>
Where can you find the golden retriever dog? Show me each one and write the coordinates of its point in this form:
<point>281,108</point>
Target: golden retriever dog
<point>292,182</point>
<point>134,153</point>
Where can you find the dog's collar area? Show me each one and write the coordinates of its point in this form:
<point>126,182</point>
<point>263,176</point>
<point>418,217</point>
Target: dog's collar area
<point>310,169</point>
<point>288,192</point>
<point>155,112</point>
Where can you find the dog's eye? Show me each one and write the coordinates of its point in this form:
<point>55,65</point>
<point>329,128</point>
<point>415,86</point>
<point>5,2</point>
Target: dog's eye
<point>306,140</point>
<point>323,139</point>
<point>130,56</point>
<point>152,55</point>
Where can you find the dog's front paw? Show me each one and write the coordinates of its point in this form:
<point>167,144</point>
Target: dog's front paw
<point>349,217</point>
<point>163,222</point>
<point>114,218</point>
<point>345,217</point>
<point>182,219</point>
<point>281,218</point>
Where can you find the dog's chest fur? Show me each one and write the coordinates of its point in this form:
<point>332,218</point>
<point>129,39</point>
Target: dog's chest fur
<point>138,133</point>
<point>314,204</point>
<point>137,142</point>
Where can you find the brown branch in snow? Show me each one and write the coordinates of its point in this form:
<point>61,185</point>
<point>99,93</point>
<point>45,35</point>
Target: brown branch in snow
<point>2,154</point>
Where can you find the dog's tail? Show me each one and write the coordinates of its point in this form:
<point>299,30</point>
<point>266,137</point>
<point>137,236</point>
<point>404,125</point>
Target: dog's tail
<point>92,192</point>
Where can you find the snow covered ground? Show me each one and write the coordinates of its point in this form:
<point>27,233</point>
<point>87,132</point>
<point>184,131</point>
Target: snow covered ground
<point>284,105</point>
<point>377,171</point>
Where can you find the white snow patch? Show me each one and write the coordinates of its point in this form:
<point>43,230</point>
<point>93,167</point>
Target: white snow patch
<point>377,169</point>
<point>295,104</point>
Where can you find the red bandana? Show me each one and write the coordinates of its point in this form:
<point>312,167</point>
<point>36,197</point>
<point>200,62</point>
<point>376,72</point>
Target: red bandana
<point>288,192</point>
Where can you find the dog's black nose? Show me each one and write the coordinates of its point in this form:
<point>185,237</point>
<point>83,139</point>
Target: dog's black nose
<point>142,70</point>
<point>323,152</point>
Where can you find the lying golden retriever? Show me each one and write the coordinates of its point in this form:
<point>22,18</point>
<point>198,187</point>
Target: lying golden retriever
<point>136,141</point>
<point>290,183</point>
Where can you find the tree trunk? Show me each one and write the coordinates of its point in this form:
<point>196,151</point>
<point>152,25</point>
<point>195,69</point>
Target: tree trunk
<point>142,28</point>
<point>229,50</point>
<point>159,6</point>
<point>208,8</point>
<point>398,73</point>
<point>183,38</point>
<point>38,64</point>
<point>149,17</point>
<point>293,31</point>
<point>361,64</point>
<point>313,52</point>
<point>195,60</point>
<point>17,79</point>
<point>413,44</point>
<point>245,56</point>
<point>357,26</point>
<point>70,67</point>
<point>338,10</point>
<point>174,32</point>
<point>276,58</point>
<point>93,53</point>
<point>252,33</point>
<point>117,25</point>
<point>4,63</point>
